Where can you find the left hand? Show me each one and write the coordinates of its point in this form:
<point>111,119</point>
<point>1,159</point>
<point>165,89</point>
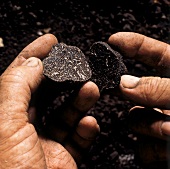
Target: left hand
<point>20,145</point>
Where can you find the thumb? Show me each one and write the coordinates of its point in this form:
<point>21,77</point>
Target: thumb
<point>147,91</point>
<point>16,86</point>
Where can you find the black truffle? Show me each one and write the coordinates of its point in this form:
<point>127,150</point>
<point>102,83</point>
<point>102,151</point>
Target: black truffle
<point>66,63</point>
<point>106,64</point>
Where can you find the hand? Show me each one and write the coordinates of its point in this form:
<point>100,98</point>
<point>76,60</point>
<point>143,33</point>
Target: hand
<point>20,145</point>
<point>151,93</point>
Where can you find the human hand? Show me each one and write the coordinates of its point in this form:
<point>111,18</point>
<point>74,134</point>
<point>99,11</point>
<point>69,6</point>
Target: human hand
<point>20,145</point>
<point>151,118</point>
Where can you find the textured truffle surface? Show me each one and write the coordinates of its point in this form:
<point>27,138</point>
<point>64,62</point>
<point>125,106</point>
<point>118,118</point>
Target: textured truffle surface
<point>66,63</point>
<point>106,64</point>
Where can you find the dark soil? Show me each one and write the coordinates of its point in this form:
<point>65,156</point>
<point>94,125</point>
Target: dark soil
<point>81,23</point>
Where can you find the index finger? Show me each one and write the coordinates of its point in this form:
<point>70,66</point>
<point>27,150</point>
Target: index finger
<point>142,48</point>
<point>38,48</point>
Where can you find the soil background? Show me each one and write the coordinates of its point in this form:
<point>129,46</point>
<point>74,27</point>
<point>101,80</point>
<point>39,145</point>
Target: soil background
<point>81,23</point>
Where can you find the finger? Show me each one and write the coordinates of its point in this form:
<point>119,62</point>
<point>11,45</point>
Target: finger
<point>149,122</point>
<point>165,126</point>
<point>147,50</point>
<point>86,132</point>
<point>56,155</point>
<point>83,137</point>
<point>147,91</point>
<point>84,100</point>
<point>73,111</point>
<point>16,86</point>
<point>38,48</point>
<point>157,152</point>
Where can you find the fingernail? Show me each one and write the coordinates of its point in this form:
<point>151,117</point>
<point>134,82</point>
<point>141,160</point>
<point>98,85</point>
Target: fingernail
<point>128,81</point>
<point>31,62</point>
<point>165,128</point>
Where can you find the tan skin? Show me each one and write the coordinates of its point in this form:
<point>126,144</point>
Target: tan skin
<point>22,147</point>
<point>150,93</point>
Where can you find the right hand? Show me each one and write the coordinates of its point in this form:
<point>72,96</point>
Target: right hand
<point>152,94</point>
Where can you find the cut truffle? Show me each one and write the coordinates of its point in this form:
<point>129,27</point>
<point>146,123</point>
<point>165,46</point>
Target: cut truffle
<point>106,64</point>
<point>66,63</point>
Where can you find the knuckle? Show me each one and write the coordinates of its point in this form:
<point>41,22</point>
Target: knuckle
<point>154,89</point>
<point>14,76</point>
<point>12,79</point>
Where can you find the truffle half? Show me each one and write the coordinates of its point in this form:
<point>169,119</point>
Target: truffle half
<point>106,64</point>
<point>66,63</point>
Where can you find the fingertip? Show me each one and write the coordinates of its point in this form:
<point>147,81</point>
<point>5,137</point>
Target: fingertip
<point>34,66</point>
<point>39,48</point>
<point>87,97</point>
<point>128,85</point>
<point>83,137</point>
<point>165,128</point>
<point>128,43</point>
<point>50,37</point>
<point>32,62</point>
<point>86,132</point>
<point>90,89</point>
<point>113,36</point>
<point>88,128</point>
<point>129,82</point>
<point>120,36</point>
<point>147,91</point>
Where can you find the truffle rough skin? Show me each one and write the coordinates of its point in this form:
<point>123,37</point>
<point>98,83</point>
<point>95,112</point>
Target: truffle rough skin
<point>66,63</point>
<point>106,64</point>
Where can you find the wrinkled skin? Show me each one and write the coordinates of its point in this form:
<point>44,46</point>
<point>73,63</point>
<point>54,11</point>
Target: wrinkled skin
<point>151,117</point>
<point>20,145</point>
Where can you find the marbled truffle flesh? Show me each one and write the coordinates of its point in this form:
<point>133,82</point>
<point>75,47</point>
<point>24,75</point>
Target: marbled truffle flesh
<point>106,64</point>
<point>66,63</point>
